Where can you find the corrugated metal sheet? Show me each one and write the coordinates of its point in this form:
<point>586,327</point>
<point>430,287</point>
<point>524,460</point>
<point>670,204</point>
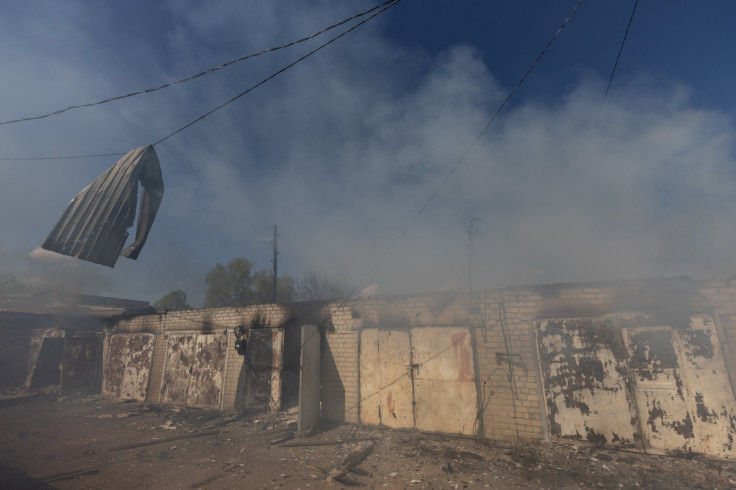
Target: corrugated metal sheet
<point>128,366</point>
<point>585,382</point>
<point>94,225</point>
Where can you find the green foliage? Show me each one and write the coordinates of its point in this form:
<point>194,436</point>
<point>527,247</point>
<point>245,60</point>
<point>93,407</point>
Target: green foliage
<point>175,300</point>
<point>239,284</point>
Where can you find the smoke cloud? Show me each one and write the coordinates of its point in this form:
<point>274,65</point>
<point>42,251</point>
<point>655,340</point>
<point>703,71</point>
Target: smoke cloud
<point>345,148</point>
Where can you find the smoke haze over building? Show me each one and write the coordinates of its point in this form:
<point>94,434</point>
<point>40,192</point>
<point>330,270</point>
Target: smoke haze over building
<point>343,149</point>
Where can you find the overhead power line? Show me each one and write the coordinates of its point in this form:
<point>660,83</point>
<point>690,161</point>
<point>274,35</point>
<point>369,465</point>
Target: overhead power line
<point>482,131</point>
<point>383,7</point>
<point>387,6</point>
<point>69,157</point>
<point>206,72</point>
<point>620,49</point>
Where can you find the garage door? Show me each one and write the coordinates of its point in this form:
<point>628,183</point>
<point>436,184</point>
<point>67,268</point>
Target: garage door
<point>421,378</point>
<point>194,370</point>
<point>683,392</point>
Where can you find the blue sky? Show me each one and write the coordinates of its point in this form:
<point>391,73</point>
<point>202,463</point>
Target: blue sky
<point>343,149</point>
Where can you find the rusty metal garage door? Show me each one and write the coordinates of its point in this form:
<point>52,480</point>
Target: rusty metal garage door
<point>423,378</point>
<point>386,387</point>
<point>683,393</point>
<point>194,370</point>
<point>128,366</point>
<point>444,380</point>
<point>585,382</point>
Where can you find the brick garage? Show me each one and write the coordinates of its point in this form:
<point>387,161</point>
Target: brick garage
<point>504,324</point>
<point>490,340</point>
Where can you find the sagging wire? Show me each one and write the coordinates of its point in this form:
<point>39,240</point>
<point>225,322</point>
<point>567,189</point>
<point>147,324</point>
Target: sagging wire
<point>193,77</point>
<point>620,49</point>
<point>486,399</point>
<point>482,131</point>
<point>512,379</point>
<point>383,7</point>
<point>277,73</point>
<point>70,157</point>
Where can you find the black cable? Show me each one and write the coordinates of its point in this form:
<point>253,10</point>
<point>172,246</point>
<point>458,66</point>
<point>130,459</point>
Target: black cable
<point>385,5</point>
<point>388,5</point>
<point>477,138</point>
<point>208,71</point>
<point>620,49</point>
<point>71,157</point>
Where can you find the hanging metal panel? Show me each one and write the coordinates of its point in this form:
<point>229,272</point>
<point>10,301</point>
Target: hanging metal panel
<point>178,368</point>
<point>444,380</point>
<point>208,369</point>
<point>585,382</point>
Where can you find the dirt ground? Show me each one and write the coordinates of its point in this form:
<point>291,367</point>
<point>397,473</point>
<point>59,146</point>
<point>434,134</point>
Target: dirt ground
<point>52,442</point>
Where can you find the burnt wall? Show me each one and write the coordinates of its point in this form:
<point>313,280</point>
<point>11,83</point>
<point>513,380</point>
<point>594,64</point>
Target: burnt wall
<point>504,324</point>
<point>208,354</point>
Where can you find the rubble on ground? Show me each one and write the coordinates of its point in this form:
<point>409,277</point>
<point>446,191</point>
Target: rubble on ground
<point>94,442</point>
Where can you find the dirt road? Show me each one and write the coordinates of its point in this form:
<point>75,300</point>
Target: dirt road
<point>94,442</point>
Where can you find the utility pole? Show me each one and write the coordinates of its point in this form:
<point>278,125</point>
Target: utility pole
<point>471,229</point>
<point>275,261</point>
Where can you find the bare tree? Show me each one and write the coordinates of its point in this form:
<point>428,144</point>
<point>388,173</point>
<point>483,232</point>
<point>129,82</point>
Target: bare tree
<point>315,285</point>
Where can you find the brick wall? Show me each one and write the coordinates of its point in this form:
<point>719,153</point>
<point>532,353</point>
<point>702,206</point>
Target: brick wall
<point>215,321</point>
<point>504,323</point>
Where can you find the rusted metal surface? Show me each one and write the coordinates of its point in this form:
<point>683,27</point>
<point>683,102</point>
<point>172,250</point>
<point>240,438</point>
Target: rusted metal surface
<point>444,380</point>
<point>629,382</point>
<point>423,378</point>
<point>660,393</point>
<point>386,391</point>
<point>263,365</point>
<point>94,225</point>
<point>585,382</point>
<point>208,369</point>
<point>683,392</point>
<point>82,366</point>
<point>128,366</point>
<point>177,368</point>
<point>708,383</point>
